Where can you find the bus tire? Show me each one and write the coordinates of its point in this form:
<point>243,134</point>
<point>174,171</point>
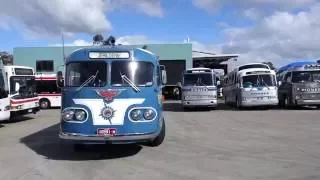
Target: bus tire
<point>286,102</point>
<point>281,101</point>
<point>79,147</point>
<point>44,104</point>
<point>160,138</point>
<point>238,103</point>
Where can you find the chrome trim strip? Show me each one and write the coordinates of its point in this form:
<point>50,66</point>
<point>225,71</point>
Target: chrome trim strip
<point>131,137</point>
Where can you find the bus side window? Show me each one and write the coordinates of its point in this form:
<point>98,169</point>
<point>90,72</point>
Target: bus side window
<point>158,77</point>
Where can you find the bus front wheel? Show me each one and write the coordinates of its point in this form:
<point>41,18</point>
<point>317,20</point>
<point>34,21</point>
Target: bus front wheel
<point>44,104</point>
<point>160,138</point>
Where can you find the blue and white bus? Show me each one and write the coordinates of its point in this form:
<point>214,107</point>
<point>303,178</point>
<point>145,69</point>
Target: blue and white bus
<point>112,94</point>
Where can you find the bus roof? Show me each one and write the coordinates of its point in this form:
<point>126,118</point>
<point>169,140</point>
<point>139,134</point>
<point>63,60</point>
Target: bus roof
<point>17,66</point>
<point>199,69</point>
<point>294,65</point>
<point>251,65</point>
<point>111,52</point>
<point>252,71</point>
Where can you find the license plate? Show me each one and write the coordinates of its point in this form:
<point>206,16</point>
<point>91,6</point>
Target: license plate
<point>106,132</point>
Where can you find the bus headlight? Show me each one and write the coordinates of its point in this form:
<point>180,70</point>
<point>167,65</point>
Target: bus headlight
<point>136,114</point>
<point>187,98</point>
<point>149,114</point>
<point>80,115</point>
<point>297,97</point>
<point>68,115</point>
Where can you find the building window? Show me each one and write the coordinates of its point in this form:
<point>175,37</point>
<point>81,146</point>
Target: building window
<point>44,66</point>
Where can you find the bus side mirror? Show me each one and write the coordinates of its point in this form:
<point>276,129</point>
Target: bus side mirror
<point>60,81</point>
<point>164,76</point>
<point>218,83</point>
<point>17,87</point>
<point>279,83</point>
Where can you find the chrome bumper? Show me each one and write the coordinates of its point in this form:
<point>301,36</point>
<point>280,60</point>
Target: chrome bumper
<point>211,103</point>
<point>260,103</point>
<point>308,102</point>
<point>131,137</point>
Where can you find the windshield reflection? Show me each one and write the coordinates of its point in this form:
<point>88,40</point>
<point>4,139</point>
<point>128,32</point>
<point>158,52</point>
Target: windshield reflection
<point>140,73</point>
<point>258,81</point>
<point>203,79</point>
<point>306,76</point>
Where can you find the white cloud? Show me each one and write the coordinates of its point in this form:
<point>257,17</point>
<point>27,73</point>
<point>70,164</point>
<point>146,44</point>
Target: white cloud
<point>134,39</point>
<point>280,38</point>
<point>43,18</point>
<point>149,7</point>
<point>255,9</point>
<point>77,42</point>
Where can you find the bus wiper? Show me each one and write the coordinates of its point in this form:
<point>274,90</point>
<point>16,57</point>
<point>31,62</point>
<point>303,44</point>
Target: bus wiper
<point>93,77</point>
<point>204,85</point>
<point>126,79</point>
<point>265,83</point>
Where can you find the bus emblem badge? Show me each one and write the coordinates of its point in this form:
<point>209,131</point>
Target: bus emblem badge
<point>107,113</point>
<point>108,95</point>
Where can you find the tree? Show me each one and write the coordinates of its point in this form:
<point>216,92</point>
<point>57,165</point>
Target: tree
<point>270,64</point>
<point>6,58</point>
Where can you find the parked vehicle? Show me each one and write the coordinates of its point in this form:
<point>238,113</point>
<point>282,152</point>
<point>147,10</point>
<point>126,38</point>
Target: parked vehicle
<point>4,95</point>
<point>199,88</point>
<point>112,94</point>
<point>299,84</point>
<point>48,92</point>
<point>22,89</point>
<point>251,86</point>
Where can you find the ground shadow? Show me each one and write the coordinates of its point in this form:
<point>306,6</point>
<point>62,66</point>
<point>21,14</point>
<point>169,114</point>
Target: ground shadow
<point>175,106</point>
<point>1,126</point>
<point>17,119</point>
<point>47,143</point>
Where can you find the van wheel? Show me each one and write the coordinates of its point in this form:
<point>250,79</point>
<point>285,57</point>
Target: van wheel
<point>44,104</point>
<point>160,138</point>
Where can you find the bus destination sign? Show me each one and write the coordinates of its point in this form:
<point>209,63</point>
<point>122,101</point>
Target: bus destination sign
<point>109,55</point>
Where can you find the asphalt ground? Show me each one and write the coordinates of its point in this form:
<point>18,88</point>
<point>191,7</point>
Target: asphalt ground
<point>221,144</point>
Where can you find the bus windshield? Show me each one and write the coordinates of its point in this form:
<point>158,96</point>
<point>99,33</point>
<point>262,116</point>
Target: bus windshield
<point>140,73</point>
<point>305,76</point>
<point>258,80</point>
<point>79,72</point>
<point>27,86</point>
<point>199,79</point>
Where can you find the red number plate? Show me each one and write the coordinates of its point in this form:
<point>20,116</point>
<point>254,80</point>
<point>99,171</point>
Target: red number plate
<point>107,132</point>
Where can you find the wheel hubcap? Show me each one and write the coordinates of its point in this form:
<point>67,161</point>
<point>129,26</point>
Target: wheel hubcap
<point>44,104</point>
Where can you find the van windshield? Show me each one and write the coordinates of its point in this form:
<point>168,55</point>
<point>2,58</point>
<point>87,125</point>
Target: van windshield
<point>200,79</point>
<point>306,76</point>
<point>258,80</point>
<point>139,72</point>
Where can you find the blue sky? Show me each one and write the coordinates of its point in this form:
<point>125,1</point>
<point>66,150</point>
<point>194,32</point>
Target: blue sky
<point>278,31</point>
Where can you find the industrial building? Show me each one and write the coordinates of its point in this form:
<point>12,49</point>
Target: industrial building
<point>175,57</point>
